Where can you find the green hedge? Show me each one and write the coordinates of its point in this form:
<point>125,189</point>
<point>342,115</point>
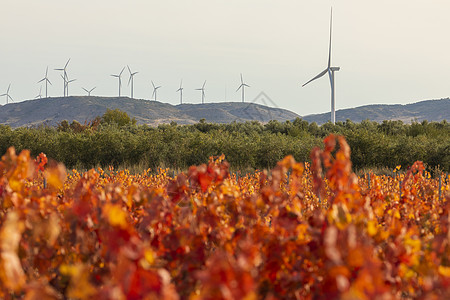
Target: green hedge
<point>248,145</point>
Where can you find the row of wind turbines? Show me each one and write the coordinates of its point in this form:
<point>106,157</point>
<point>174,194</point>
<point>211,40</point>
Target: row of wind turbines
<point>67,81</point>
<point>329,69</point>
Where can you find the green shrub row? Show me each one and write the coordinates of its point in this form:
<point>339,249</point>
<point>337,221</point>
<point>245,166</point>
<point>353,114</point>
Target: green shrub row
<point>246,146</point>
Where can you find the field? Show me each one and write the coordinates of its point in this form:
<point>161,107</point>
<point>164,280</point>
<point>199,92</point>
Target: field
<point>299,231</point>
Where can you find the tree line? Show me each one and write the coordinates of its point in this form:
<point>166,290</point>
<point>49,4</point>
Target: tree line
<point>115,139</point>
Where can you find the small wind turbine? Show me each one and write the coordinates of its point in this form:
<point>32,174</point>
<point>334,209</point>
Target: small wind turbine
<point>67,83</point>
<point>203,92</point>
<point>47,81</point>
<point>8,97</point>
<point>181,91</point>
<point>330,70</point>
<point>131,80</point>
<point>40,93</point>
<point>242,86</point>
<point>89,91</point>
<point>65,78</point>
<point>155,89</point>
<point>120,78</point>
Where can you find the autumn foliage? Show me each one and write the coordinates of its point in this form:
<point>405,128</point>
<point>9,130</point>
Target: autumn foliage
<point>300,231</point>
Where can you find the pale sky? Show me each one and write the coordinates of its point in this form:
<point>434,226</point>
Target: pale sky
<point>389,51</point>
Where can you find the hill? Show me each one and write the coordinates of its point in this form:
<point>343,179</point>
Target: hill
<point>430,110</point>
<point>85,108</point>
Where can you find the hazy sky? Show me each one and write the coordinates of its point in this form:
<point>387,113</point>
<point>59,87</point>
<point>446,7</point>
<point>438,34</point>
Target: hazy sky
<point>389,51</point>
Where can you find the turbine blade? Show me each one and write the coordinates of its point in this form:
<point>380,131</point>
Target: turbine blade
<point>318,76</point>
<point>204,85</point>
<point>331,28</point>
<point>48,80</point>
<point>121,71</point>
<point>66,64</point>
<point>93,89</point>
<point>129,80</point>
<point>129,70</point>
<point>246,85</point>
<point>240,87</point>
<point>153,84</point>
<point>85,90</point>
<point>42,80</point>
<point>242,80</point>
<point>46,72</point>
<point>9,86</point>
<point>134,73</point>
<point>331,78</point>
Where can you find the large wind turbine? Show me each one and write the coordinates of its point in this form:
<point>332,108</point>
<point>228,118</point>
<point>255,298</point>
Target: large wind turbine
<point>242,86</point>
<point>203,92</point>
<point>8,97</point>
<point>131,80</point>
<point>330,70</point>
<point>65,78</point>
<point>155,89</point>
<point>181,91</point>
<point>89,91</point>
<point>46,82</point>
<point>120,78</point>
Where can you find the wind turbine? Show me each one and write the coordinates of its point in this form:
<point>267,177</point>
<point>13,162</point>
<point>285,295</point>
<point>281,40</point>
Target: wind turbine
<point>330,70</point>
<point>155,89</point>
<point>8,97</point>
<point>89,91</point>
<point>181,91</point>
<point>203,92</point>
<point>47,81</point>
<point>67,84</point>
<point>131,80</point>
<point>65,78</point>
<point>120,78</point>
<point>40,93</point>
<point>242,86</point>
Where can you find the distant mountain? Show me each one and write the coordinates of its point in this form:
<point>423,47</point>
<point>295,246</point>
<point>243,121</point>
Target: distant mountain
<point>430,110</point>
<point>85,108</point>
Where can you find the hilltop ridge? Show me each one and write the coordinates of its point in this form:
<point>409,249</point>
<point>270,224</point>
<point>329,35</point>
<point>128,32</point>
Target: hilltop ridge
<point>51,111</point>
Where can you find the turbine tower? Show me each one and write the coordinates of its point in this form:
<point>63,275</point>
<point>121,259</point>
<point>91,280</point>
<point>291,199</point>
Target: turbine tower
<point>330,70</point>
<point>131,80</point>
<point>155,89</point>
<point>181,91</point>
<point>242,86</point>
<point>47,81</point>
<point>8,97</point>
<point>89,91</point>
<point>120,78</point>
<point>65,77</point>
<point>203,92</point>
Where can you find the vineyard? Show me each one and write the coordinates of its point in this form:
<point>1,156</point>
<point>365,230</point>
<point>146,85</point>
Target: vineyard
<point>300,231</point>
